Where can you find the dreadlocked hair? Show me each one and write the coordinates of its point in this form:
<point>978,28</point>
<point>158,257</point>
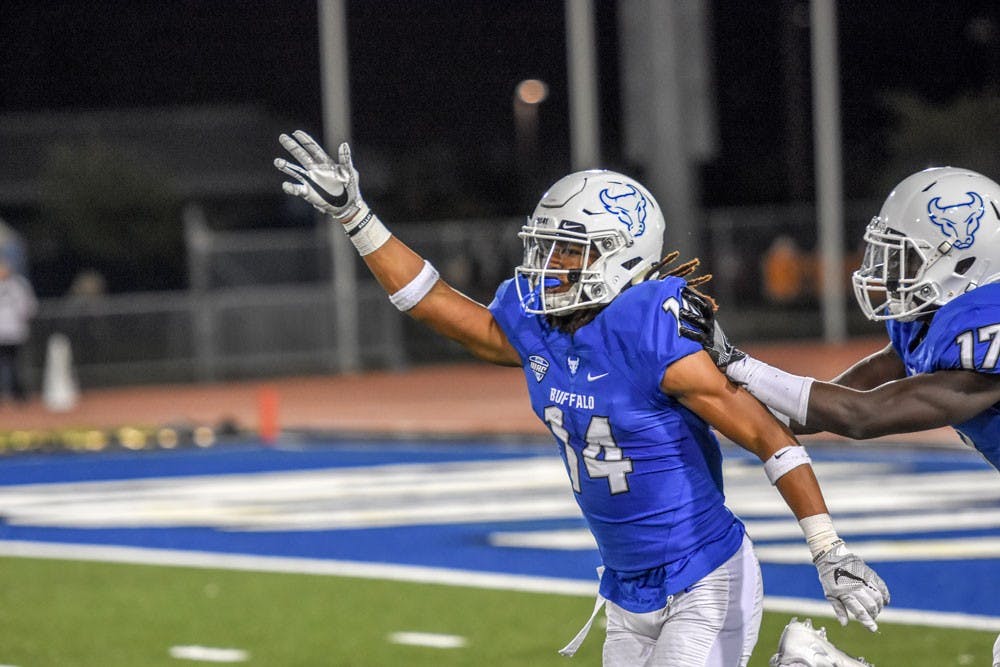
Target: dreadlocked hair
<point>659,271</point>
<point>574,320</point>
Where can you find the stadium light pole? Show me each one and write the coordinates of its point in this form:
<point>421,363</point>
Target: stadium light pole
<point>335,79</point>
<point>581,69</point>
<point>827,156</point>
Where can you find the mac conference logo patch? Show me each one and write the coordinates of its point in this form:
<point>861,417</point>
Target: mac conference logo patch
<point>539,366</point>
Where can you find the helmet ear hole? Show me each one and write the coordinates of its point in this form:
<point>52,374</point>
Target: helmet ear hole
<point>964,265</point>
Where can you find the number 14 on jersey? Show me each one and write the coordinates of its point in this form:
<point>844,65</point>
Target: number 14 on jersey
<point>602,456</point>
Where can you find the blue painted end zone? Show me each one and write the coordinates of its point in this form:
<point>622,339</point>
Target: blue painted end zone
<point>956,586</point>
<point>245,458</point>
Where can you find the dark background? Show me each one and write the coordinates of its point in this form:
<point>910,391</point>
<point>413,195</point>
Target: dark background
<point>432,83</point>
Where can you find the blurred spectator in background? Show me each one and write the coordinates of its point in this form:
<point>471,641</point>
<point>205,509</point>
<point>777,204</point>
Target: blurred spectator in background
<point>784,266</point>
<point>12,248</point>
<point>17,306</point>
<point>88,285</point>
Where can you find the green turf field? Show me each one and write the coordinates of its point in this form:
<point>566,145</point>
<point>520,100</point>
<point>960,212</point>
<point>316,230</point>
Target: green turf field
<point>67,613</point>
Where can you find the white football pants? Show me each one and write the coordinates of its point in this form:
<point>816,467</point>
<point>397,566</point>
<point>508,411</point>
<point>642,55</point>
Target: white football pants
<point>712,624</point>
<point>996,652</point>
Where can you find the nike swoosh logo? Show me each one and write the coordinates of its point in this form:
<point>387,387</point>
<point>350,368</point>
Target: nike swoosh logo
<point>591,378</point>
<point>841,572</point>
<point>778,456</point>
<point>338,201</point>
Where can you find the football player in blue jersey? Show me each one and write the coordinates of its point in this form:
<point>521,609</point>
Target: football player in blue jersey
<point>594,322</point>
<point>931,272</point>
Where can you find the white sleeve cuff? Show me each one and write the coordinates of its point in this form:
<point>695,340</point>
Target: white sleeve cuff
<point>366,231</point>
<point>781,391</point>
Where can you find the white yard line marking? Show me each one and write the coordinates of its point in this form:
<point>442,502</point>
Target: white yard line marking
<point>963,548</point>
<point>958,548</point>
<point>785,528</point>
<point>884,524</point>
<point>937,619</point>
<point>208,654</point>
<point>318,566</point>
<point>429,575</point>
<point>530,488</point>
<point>428,639</point>
<point>571,539</point>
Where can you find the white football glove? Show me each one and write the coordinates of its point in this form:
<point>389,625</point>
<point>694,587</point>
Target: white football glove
<point>331,187</point>
<point>851,586</point>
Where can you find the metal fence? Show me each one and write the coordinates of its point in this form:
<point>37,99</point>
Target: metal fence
<point>263,303</point>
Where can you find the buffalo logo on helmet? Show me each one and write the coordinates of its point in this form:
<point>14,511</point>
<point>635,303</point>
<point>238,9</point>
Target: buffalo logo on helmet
<point>628,204</point>
<point>958,222</point>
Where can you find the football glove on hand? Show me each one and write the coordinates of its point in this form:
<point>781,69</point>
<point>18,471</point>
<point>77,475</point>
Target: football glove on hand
<point>699,324</point>
<point>331,187</point>
<point>851,586</point>
<point>697,315</point>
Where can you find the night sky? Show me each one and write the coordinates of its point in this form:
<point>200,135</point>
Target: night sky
<point>432,82</point>
<point>443,71</point>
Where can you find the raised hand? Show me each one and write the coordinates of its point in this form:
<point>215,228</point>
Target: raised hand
<point>331,187</point>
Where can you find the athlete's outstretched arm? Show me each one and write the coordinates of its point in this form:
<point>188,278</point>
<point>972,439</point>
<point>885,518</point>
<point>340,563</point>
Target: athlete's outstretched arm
<point>700,387</point>
<point>870,372</point>
<point>443,308</point>
<point>413,284</point>
<point>696,382</point>
<point>904,405</point>
<point>916,403</point>
<point>875,369</point>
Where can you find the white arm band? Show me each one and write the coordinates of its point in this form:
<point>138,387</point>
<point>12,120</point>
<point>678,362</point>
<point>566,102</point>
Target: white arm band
<point>415,290</point>
<point>784,460</point>
<point>819,532</point>
<point>366,231</point>
<point>786,393</point>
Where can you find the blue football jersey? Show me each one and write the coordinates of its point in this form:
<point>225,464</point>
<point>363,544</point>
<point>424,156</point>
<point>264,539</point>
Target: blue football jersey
<point>645,471</point>
<point>963,334</point>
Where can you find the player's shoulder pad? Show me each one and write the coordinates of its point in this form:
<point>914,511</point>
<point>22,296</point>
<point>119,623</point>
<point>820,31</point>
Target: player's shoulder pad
<point>649,313</point>
<point>966,325</point>
<point>653,293</point>
<point>506,306</point>
<point>975,309</point>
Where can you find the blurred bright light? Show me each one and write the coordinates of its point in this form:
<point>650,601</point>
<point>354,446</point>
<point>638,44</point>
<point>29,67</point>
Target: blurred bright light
<point>532,91</point>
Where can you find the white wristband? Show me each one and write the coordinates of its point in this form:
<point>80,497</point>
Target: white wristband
<point>784,460</point>
<point>786,393</point>
<point>366,231</point>
<point>819,532</point>
<point>415,290</point>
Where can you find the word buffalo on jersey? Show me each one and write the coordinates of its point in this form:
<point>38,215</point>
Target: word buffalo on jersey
<point>570,399</point>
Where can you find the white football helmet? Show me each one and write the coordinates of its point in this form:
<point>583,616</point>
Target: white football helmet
<point>592,234</point>
<point>937,236</point>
